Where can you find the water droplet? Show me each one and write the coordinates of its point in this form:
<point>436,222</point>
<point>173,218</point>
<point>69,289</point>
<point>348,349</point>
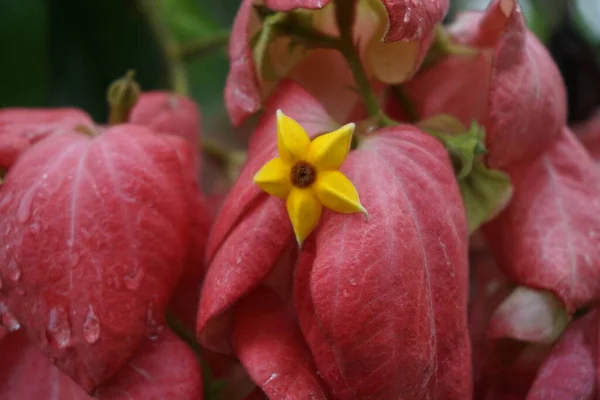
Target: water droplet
<point>5,200</point>
<point>134,279</point>
<point>91,327</point>
<point>35,228</point>
<point>13,271</point>
<point>24,210</point>
<point>238,259</point>
<point>155,328</point>
<point>58,330</point>
<point>45,176</point>
<point>352,281</point>
<point>345,293</point>
<point>8,319</point>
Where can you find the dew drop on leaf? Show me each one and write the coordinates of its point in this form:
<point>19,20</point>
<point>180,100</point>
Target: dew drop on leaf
<point>13,271</point>
<point>24,210</point>
<point>91,327</point>
<point>134,279</point>
<point>345,293</point>
<point>8,319</point>
<point>35,228</point>
<point>58,330</point>
<point>155,328</point>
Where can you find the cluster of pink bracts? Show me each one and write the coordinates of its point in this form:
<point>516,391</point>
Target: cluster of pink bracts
<point>101,234</point>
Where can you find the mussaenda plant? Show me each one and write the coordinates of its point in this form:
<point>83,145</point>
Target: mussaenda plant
<point>413,219</point>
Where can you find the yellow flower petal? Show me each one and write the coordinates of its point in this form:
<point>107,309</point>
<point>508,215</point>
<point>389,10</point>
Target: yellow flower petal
<point>336,192</point>
<point>328,151</point>
<point>274,178</point>
<point>305,212</point>
<point>292,140</point>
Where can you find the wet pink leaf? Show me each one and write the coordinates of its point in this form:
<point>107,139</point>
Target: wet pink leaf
<point>95,232</point>
<point>547,237</point>
<point>388,295</point>
<point>252,231</point>
<point>571,370</point>
<point>161,369</point>
<point>269,344</point>
<point>20,128</point>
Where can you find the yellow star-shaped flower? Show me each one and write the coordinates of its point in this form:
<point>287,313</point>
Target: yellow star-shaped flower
<point>306,173</point>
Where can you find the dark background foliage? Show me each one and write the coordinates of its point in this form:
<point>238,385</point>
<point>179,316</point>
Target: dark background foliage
<point>66,52</point>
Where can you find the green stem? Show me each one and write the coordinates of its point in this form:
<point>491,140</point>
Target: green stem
<point>177,74</point>
<point>345,10</point>
<point>202,47</point>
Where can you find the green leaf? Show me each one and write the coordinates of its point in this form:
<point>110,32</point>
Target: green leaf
<point>485,192</point>
<point>95,42</point>
<point>23,64</point>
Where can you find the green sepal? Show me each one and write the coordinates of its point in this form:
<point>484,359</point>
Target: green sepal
<point>463,145</point>
<point>484,191</point>
<point>260,42</point>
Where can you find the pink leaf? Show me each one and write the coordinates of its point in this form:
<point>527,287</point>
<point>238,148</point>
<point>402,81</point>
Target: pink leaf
<point>161,369</point>
<point>289,5</point>
<point>95,232</point>
<point>527,102</point>
<point>547,237</point>
<point>389,294</point>
<point>164,112</point>
<point>570,371</point>
<point>529,315</point>
<point>252,231</point>
<point>20,128</point>
<point>410,21</point>
<point>242,89</point>
<point>518,93</point>
<point>269,344</point>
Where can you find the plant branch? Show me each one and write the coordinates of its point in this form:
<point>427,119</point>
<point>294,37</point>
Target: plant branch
<point>177,74</point>
<point>200,48</point>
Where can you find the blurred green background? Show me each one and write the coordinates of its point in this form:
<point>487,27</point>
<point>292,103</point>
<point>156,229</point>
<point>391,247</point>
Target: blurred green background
<point>66,52</point>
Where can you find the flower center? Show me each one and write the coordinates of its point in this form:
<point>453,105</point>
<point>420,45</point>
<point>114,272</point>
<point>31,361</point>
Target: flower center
<point>303,174</point>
